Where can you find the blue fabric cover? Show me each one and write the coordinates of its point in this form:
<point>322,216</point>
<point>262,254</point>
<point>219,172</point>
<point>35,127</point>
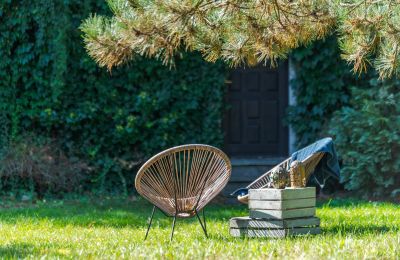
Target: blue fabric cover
<point>329,164</point>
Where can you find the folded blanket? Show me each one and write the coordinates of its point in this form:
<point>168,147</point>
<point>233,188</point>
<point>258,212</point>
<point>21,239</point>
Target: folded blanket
<point>329,164</point>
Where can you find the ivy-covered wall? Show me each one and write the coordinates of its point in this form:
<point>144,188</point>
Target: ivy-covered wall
<point>49,87</point>
<point>321,86</point>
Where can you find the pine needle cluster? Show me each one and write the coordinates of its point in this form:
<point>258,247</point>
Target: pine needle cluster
<point>244,31</point>
<point>369,32</point>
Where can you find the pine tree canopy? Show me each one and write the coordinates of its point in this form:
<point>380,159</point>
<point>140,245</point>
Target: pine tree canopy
<point>245,31</point>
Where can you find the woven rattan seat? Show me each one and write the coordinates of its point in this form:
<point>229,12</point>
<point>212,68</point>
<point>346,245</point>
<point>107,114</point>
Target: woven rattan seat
<point>181,181</point>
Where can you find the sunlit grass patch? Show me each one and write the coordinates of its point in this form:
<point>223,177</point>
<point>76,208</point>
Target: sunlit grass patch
<point>116,228</point>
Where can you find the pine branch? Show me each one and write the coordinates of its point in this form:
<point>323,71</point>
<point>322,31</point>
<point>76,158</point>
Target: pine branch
<point>245,32</point>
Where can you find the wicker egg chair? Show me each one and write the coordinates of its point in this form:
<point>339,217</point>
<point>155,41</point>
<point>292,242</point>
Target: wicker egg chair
<point>309,165</point>
<point>180,181</point>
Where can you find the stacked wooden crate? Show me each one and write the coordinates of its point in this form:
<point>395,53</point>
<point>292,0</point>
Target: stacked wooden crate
<point>278,213</point>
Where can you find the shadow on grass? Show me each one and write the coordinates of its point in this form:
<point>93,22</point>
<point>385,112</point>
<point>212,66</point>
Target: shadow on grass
<point>350,229</point>
<point>111,213</point>
<point>88,214</point>
<point>23,250</point>
<point>18,250</point>
<point>26,250</point>
<point>351,203</point>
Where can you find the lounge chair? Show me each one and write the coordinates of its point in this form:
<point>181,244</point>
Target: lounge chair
<point>309,157</point>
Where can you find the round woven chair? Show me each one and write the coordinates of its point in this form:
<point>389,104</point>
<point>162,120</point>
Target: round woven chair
<point>180,181</point>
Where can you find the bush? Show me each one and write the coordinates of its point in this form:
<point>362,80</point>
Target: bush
<point>367,138</point>
<point>39,168</point>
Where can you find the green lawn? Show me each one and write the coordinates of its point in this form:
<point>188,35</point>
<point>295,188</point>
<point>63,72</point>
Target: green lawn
<point>115,229</point>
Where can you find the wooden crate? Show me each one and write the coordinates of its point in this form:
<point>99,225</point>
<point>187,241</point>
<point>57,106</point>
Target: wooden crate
<point>278,213</point>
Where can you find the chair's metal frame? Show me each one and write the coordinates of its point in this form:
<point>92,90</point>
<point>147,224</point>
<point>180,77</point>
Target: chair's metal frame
<point>202,222</point>
<point>180,181</point>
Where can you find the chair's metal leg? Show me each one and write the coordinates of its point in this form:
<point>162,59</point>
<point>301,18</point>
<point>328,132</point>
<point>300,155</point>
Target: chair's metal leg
<point>173,227</point>
<point>204,218</point>
<point>202,226</point>
<point>151,220</point>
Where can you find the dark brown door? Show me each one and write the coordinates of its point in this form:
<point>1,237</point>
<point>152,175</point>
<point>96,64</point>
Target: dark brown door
<point>257,99</point>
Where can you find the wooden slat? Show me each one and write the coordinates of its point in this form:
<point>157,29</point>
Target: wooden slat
<point>282,214</point>
<point>247,222</point>
<point>282,204</point>
<point>242,232</point>
<point>281,194</point>
<point>274,233</point>
<point>301,222</point>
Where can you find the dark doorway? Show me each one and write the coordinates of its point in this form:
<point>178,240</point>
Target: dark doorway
<point>257,99</point>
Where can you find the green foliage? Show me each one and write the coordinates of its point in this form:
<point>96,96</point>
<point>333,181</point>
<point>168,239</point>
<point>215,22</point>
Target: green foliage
<point>50,87</point>
<point>362,114</point>
<point>321,86</point>
<point>367,135</point>
<point>367,34</point>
